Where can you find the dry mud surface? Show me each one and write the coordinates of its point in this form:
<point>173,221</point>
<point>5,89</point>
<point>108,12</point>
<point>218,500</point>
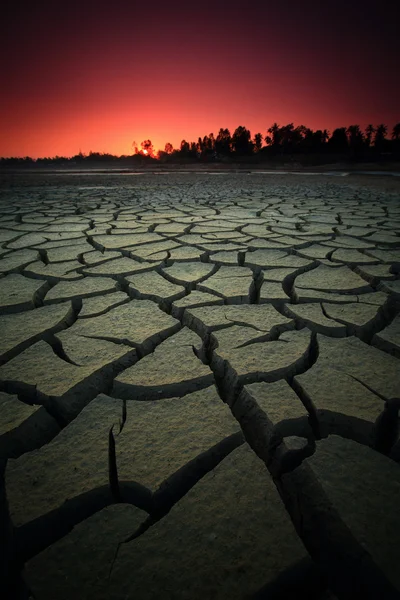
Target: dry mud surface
<point>200,386</point>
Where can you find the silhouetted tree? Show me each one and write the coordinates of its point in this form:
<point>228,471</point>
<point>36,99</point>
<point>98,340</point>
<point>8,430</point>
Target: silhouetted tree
<point>380,137</point>
<point>285,133</point>
<point>317,140</point>
<point>184,148</point>
<point>396,132</point>
<point>369,132</point>
<point>338,142</point>
<point>147,148</point>
<point>78,158</point>
<point>209,142</point>
<point>27,161</point>
<point>241,141</point>
<point>199,147</point>
<point>355,138</point>
<point>193,149</point>
<point>292,139</point>
<point>257,141</point>
<point>223,142</point>
<point>274,138</point>
<point>168,149</point>
<point>207,147</point>
<point>307,139</point>
<point>354,134</point>
<point>302,139</point>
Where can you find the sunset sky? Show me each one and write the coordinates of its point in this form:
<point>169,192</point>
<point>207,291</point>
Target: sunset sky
<point>99,75</point>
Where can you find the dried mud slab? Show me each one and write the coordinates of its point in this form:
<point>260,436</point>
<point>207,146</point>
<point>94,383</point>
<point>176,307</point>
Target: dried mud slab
<point>267,361</point>
<point>195,299</point>
<point>352,257</point>
<point>183,253</point>
<point>391,287</point>
<point>153,286</point>
<point>283,408</point>
<point>208,528</point>
<point>274,259</point>
<point>95,257</point>
<point>78,565</point>
<point>14,261</point>
<point>65,387</point>
<point>332,279</point>
<point>84,288</point>
<point>23,426</point>
<point>22,329</point>
<point>119,241</point>
<point>54,271</point>
<point>342,404</point>
<point>97,305</point>
<point>389,338</point>
<point>118,266</point>
<point>265,319</point>
<point>26,240</point>
<point>358,488</point>
<point>304,296</point>
<point>316,319</point>
<point>67,252</point>
<point>154,251</point>
<point>372,367</point>
<point>272,292</point>
<point>225,258</point>
<point>19,293</point>
<point>230,283</point>
<point>137,323</point>
<point>188,273</point>
<point>359,318</point>
<point>154,443</point>
<point>171,370</point>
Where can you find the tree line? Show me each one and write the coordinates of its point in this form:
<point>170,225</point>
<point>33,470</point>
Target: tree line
<point>285,139</point>
<point>279,141</point>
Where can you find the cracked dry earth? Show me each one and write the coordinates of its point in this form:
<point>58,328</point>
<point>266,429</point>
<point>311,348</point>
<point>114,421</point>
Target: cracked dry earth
<point>200,388</point>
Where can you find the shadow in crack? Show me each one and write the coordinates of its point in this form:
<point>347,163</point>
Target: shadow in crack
<point>302,580</point>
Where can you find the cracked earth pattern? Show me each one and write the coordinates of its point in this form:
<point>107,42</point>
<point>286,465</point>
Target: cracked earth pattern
<point>200,388</point>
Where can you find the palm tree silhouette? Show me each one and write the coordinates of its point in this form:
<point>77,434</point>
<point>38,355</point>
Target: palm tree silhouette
<point>380,134</point>
<point>369,132</point>
<point>355,134</point>
<point>396,132</point>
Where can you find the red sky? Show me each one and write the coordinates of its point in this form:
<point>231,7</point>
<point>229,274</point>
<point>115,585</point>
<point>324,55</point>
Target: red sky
<point>99,75</point>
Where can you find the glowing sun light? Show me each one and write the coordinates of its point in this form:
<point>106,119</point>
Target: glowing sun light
<point>145,152</point>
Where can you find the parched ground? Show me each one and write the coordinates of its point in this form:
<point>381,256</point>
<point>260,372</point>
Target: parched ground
<point>200,385</point>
